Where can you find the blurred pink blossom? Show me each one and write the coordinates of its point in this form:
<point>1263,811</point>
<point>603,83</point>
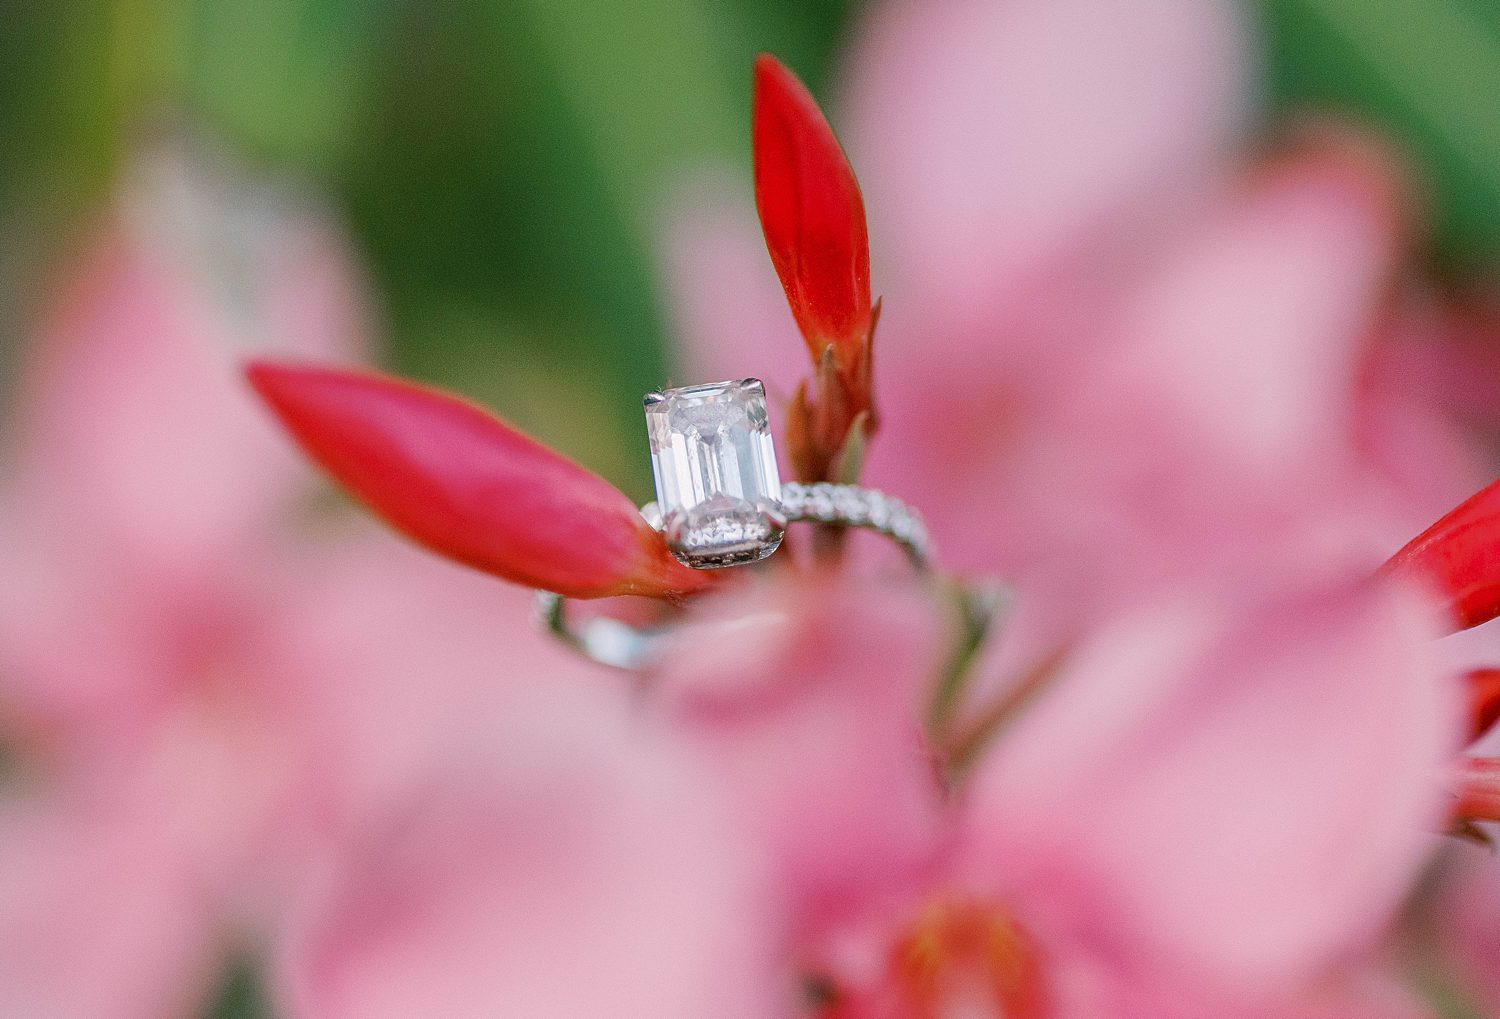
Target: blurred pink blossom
<point>1109,357</point>
<point>159,746</point>
<point>1169,821</point>
<point>1119,370</point>
<point>557,861</point>
<point>808,702</point>
<point>202,683</point>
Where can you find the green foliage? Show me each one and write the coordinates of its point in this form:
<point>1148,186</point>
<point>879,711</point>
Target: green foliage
<point>1428,72</point>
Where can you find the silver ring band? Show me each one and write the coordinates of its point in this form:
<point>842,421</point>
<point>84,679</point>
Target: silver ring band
<point>622,646</point>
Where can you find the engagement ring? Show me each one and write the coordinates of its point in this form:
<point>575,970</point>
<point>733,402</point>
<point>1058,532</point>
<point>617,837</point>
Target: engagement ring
<point>720,503</point>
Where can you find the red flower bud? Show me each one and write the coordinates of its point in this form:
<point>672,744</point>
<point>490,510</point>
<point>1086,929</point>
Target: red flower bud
<point>813,216</point>
<point>468,486</point>
<point>1459,558</point>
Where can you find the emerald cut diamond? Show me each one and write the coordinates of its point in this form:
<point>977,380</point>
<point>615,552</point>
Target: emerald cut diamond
<point>717,489</point>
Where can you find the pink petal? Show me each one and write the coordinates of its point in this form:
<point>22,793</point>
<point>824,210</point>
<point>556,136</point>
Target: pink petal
<point>557,866</point>
<point>1222,400</point>
<point>49,664</point>
<point>1409,428</point>
<point>1251,337</point>
<point>97,915</point>
<point>135,437</point>
<point>139,475</point>
<point>1378,997</point>
<point>809,702</point>
<point>1190,790</point>
<point>991,137</point>
<point>396,651</point>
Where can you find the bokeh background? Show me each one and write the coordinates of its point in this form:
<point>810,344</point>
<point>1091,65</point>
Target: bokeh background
<point>503,167</point>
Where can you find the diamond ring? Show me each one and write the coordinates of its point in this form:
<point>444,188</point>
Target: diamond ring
<point>720,503</point>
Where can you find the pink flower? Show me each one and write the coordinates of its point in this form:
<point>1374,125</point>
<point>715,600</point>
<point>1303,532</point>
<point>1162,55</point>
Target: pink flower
<point>100,917</point>
<point>200,691</point>
<point>809,700</point>
<point>1115,373</point>
<point>1109,361</point>
<point>1211,763</point>
<point>142,495</point>
<point>1169,820</point>
<point>556,862</point>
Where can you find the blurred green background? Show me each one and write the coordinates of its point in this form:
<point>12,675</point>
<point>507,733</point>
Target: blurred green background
<point>499,162</point>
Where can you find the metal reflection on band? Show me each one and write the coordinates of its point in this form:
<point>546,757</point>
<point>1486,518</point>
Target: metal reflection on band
<point>619,645</point>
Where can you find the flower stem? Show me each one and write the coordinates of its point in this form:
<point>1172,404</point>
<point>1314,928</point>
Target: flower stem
<point>978,609</point>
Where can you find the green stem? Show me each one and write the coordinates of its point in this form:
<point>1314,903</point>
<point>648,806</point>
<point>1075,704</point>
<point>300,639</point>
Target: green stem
<point>978,609</point>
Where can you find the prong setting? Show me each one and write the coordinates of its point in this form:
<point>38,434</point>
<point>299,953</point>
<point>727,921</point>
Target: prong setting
<point>774,514</point>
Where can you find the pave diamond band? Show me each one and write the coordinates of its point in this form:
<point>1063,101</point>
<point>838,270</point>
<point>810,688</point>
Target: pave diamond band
<point>622,646</point>
<point>852,506</point>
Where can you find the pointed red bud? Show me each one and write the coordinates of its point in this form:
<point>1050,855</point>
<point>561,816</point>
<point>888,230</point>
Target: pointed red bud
<point>468,486</point>
<point>813,217</point>
<point>1459,558</point>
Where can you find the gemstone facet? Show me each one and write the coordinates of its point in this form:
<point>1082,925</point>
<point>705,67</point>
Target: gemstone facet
<point>717,486</point>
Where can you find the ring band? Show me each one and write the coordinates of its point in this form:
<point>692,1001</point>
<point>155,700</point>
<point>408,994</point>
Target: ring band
<point>619,645</point>
<point>822,502</point>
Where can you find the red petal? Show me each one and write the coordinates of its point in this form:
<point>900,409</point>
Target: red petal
<point>813,216</point>
<point>470,487</point>
<point>1459,556</point>
<point>1483,686</point>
